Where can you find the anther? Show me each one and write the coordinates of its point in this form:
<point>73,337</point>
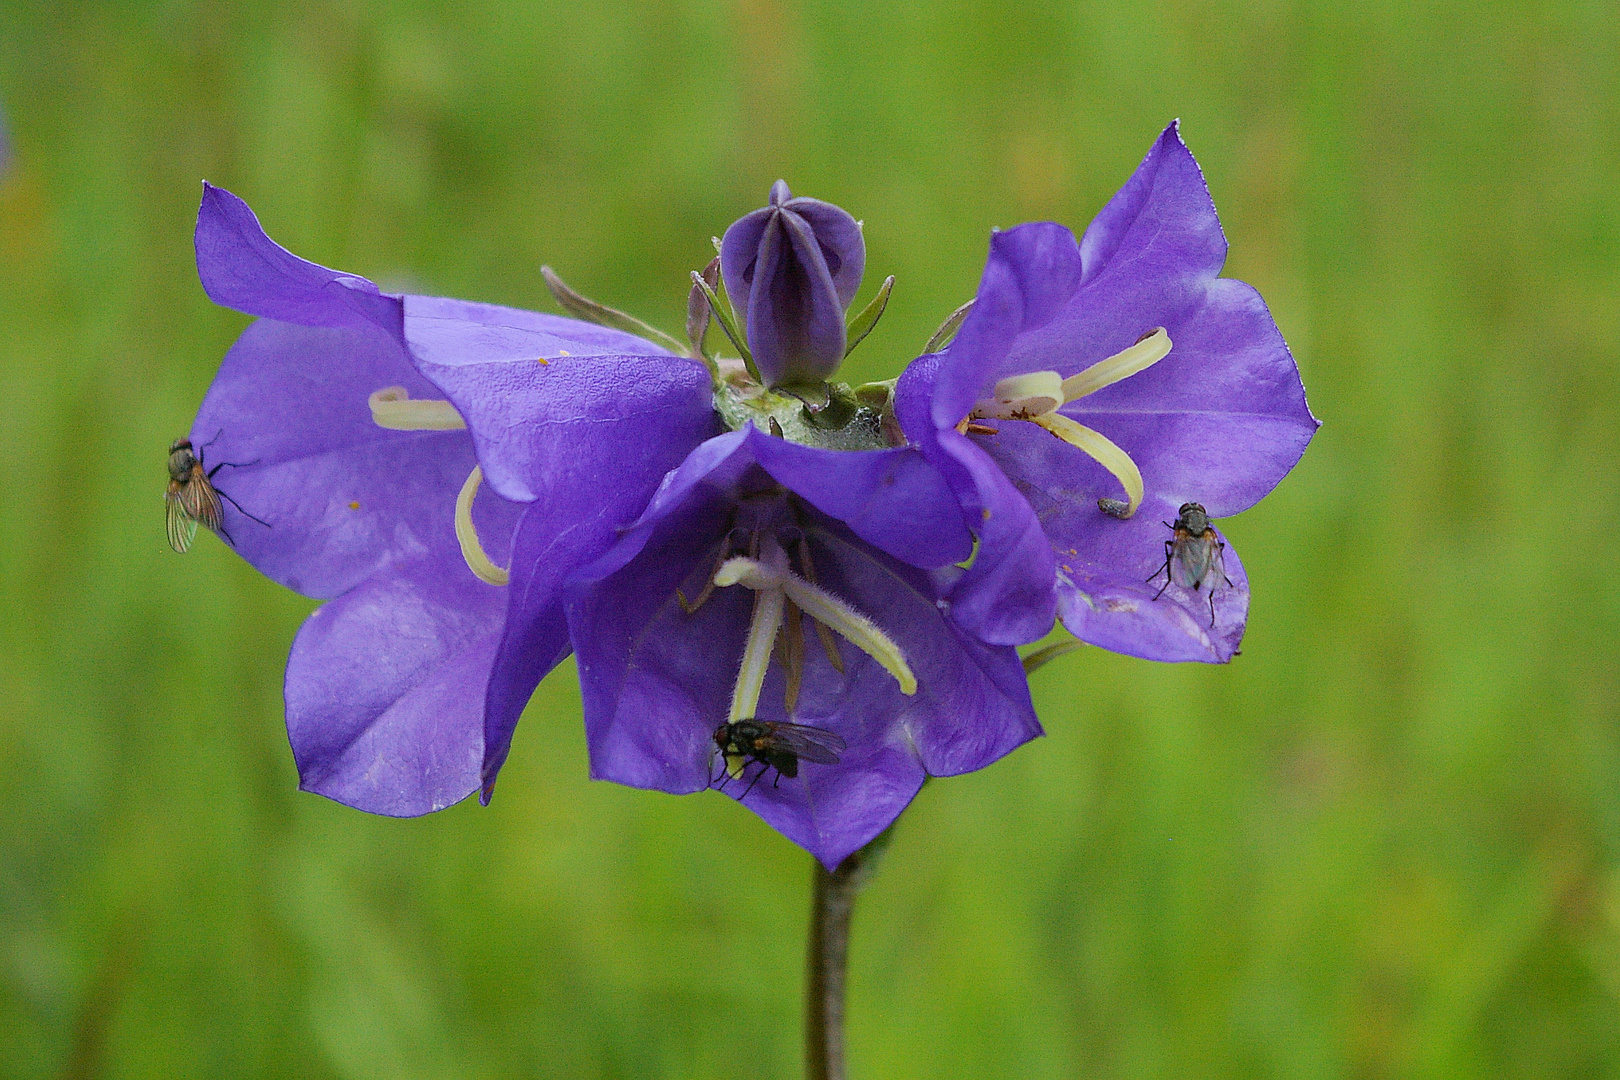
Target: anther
<point>824,635</point>
<point>792,654</point>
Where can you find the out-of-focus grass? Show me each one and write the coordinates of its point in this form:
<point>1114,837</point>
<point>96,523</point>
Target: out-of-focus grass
<point>1383,843</point>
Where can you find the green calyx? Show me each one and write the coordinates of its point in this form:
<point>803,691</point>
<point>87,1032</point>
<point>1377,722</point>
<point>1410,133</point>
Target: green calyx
<point>829,415</point>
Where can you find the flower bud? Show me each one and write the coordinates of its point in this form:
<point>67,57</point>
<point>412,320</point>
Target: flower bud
<point>792,269</point>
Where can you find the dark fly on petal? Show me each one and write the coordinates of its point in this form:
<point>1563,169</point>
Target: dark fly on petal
<point>1195,557</point>
<point>775,745</point>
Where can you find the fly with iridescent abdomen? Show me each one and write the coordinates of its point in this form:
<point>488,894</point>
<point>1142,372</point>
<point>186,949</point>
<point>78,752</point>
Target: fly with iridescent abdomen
<point>1194,558</point>
<point>775,745</point>
<point>192,498</point>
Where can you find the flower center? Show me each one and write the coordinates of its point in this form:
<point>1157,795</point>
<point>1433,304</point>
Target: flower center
<point>1036,397</point>
<point>781,598</point>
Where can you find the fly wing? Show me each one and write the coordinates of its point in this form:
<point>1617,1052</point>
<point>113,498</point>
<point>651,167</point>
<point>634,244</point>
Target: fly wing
<point>202,501</point>
<point>1192,559</point>
<point>810,743</point>
<point>182,526</point>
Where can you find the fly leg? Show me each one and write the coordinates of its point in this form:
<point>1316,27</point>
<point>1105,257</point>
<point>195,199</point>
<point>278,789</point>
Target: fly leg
<point>244,513</point>
<point>232,464</point>
<point>1165,570</point>
<point>764,767</point>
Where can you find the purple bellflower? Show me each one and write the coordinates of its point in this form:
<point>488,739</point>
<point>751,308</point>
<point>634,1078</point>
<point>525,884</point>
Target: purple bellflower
<point>1095,387</point>
<point>704,576</point>
<point>767,580</point>
<point>367,485</point>
<point>807,564</point>
<point>793,268</point>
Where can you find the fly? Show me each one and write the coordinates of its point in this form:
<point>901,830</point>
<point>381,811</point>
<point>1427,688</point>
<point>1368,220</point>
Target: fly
<point>192,498</point>
<point>1194,558</point>
<point>774,745</point>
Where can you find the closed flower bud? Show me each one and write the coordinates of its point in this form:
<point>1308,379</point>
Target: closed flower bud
<point>792,269</point>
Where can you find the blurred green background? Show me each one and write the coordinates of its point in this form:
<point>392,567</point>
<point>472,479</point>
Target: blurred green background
<point>1385,842</point>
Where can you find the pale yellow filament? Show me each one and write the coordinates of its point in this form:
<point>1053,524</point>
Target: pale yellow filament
<point>826,609</point>
<point>1122,365</point>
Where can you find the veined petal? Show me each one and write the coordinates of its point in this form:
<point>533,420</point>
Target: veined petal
<point>1162,215</point>
<point>378,709</point>
<point>526,416</point>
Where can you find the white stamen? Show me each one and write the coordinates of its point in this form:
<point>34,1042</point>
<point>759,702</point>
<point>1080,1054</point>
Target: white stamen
<point>392,408</point>
<point>471,550</point>
<point>826,609</point>
<point>1122,365</point>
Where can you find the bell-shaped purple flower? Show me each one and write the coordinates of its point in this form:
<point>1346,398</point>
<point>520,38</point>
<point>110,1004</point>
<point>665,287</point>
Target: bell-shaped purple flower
<point>792,268</point>
<point>365,480</point>
<point>777,583</point>
<point>1094,388</point>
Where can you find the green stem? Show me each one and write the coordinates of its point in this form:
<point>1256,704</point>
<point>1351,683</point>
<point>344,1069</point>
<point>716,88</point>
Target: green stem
<point>832,905</point>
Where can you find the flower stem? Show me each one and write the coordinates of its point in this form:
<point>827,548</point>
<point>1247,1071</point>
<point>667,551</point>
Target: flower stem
<point>832,904</point>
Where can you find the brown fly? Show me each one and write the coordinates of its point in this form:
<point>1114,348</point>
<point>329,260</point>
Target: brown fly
<point>1194,558</point>
<point>192,498</point>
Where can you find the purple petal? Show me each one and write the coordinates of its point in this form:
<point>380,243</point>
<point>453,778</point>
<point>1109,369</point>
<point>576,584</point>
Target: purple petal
<point>378,705</point>
<point>287,419</point>
<point>242,268</point>
<point>1163,214</point>
<point>795,321</point>
<point>590,479</point>
<point>1006,595</point>
<point>842,245</point>
<point>1219,421</point>
<point>892,499</point>
<point>525,416</point>
<point>1032,272</point>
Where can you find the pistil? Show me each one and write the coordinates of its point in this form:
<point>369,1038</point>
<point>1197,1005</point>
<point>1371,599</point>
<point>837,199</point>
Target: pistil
<point>1036,397</point>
